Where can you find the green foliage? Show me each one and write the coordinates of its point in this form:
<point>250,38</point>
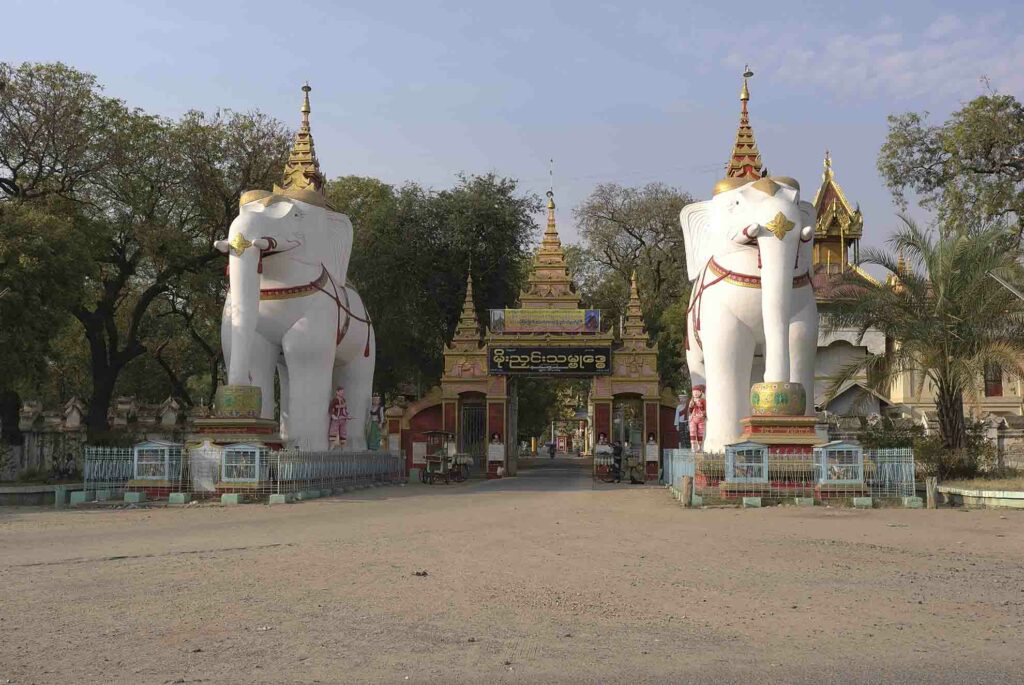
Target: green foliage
<point>950,319</point>
<point>145,196</point>
<point>887,433</point>
<point>970,169</point>
<point>627,229</point>
<point>412,251</point>
<point>42,264</point>
<point>976,457</point>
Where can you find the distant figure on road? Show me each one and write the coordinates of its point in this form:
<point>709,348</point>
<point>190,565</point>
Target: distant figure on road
<point>551,449</point>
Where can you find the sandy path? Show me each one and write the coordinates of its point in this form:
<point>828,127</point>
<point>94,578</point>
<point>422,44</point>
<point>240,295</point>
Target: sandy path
<point>542,578</point>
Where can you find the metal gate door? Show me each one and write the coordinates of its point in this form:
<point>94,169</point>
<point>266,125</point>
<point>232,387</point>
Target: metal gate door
<point>473,428</point>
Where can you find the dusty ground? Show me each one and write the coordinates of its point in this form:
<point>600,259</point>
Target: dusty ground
<point>538,579</point>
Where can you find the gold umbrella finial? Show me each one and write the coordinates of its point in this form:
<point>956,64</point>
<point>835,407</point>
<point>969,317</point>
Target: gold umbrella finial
<point>305,109</point>
<point>745,91</point>
<point>302,171</point>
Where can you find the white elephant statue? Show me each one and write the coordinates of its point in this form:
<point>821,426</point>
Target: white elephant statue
<point>289,309</point>
<point>752,291</point>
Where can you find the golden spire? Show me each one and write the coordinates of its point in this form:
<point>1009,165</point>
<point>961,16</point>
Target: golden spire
<point>633,330</point>
<point>468,329</point>
<point>745,162</point>
<point>549,285</point>
<point>551,233</point>
<point>302,171</point>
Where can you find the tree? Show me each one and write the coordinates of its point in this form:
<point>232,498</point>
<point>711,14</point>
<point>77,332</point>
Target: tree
<point>969,170</point>
<point>147,197</point>
<point>627,229</point>
<point>412,250</point>
<point>946,316</point>
<point>42,265</point>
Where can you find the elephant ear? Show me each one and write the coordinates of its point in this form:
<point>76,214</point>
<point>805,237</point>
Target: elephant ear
<point>808,214</point>
<point>697,236</point>
<point>338,252</point>
<point>809,217</point>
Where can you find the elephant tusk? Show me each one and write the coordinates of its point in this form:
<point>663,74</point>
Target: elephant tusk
<point>261,243</point>
<point>805,233</point>
<point>221,246</point>
<point>748,234</point>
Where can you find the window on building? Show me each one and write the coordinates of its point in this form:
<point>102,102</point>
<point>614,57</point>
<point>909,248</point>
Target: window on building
<point>993,381</point>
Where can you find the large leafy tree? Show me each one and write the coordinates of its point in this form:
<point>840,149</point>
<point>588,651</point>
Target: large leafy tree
<point>412,250</point>
<point>947,316</point>
<point>147,197</point>
<point>969,169</point>
<point>626,229</point>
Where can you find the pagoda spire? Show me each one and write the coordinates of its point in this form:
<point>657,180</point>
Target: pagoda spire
<point>551,232</point>
<point>468,330</point>
<point>302,170</point>
<point>745,161</point>
<point>549,285</point>
<point>633,327</point>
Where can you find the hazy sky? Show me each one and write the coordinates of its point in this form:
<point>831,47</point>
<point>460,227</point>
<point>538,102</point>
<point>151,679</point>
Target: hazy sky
<point>626,92</point>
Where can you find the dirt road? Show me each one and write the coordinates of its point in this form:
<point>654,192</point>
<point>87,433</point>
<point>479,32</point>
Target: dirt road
<point>544,578</point>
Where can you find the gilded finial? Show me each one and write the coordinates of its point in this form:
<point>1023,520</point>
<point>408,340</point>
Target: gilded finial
<point>302,171</point>
<point>745,161</point>
<point>305,105</point>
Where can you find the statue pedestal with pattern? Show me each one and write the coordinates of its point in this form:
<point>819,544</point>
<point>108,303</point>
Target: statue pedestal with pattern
<point>778,418</point>
<point>236,418</point>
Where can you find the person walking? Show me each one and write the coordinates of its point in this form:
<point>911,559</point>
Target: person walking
<point>551,449</point>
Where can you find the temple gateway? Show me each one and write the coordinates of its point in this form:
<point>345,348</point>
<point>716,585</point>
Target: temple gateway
<point>477,402</point>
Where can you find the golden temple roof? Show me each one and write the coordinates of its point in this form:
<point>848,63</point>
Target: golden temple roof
<point>302,170</point>
<point>745,161</point>
<point>836,217</point>
<point>549,285</point>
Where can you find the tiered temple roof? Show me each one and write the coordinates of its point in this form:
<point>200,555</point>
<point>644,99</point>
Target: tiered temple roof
<point>838,225</point>
<point>634,333</point>
<point>745,161</point>
<point>302,171</point>
<point>467,333</point>
<point>549,285</point>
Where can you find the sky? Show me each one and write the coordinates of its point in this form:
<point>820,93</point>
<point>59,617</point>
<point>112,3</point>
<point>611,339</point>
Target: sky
<point>630,92</point>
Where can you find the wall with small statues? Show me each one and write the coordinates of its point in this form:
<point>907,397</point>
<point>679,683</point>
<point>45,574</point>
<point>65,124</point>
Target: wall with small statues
<point>52,439</point>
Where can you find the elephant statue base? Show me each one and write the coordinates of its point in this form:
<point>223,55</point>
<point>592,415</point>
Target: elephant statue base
<point>777,417</point>
<point>236,418</point>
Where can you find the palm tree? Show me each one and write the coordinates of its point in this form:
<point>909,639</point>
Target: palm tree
<point>945,315</point>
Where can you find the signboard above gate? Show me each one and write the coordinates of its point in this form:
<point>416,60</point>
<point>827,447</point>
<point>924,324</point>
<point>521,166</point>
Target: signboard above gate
<point>518,359</point>
<point>537,320</point>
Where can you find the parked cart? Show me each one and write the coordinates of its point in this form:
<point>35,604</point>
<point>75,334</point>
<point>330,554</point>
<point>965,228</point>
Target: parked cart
<point>440,446</point>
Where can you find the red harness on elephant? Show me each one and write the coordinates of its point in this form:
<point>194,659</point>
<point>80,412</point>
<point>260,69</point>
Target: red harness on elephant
<point>719,274</point>
<point>341,300</point>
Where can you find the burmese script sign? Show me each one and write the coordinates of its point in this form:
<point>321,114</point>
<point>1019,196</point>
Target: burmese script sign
<point>536,320</point>
<point>508,359</point>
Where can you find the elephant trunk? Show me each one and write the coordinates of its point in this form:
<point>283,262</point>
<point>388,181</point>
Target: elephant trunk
<point>243,272</point>
<point>777,257</point>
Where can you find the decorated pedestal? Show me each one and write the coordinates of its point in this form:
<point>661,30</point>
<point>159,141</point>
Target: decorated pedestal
<point>778,418</point>
<point>775,457</point>
<point>237,419</point>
